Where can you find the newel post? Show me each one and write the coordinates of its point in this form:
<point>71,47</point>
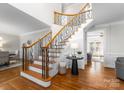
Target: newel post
<point>45,62</point>
<point>25,62</point>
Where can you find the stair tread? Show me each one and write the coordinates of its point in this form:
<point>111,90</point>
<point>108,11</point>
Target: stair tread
<point>54,51</point>
<point>38,66</point>
<point>62,44</point>
<point>50,62</point>
<point>37,60</point>
<point>36,75</point>
<point>54,56</point>
<point>56,48</point>
<point>65,40</point>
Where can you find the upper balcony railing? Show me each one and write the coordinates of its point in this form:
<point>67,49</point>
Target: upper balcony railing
<point>63,18</point>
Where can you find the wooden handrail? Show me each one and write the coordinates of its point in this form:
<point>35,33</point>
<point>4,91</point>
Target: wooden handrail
<point>65,26</point>
<point>64,14</point>
<point>37,40</point>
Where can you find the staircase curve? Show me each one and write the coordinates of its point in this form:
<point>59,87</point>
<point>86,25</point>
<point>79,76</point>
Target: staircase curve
<point>40,59</point>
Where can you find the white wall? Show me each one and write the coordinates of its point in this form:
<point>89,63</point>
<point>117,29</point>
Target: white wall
<point>114,43</point>
<point>79,39</point>
<point>55,28</point>
<point>13,42</point>
<point>114,46</point>
<point>73,8</point>
<point>41,11</point>
<point>10,42</point>
<point>33,36</point>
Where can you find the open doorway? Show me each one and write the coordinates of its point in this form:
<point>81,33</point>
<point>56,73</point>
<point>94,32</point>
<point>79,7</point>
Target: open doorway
<point>95,46</point>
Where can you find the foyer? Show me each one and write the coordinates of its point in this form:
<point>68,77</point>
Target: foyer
<point>47,40</point>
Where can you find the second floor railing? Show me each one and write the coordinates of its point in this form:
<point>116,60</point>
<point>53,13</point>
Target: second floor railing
<point>64,18</point>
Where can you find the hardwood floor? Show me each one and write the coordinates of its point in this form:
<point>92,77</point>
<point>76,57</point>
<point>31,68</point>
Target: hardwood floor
<point>93,77</point>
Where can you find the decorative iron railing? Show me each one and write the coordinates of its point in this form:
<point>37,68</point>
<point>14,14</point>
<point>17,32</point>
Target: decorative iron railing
<point>63,18</point>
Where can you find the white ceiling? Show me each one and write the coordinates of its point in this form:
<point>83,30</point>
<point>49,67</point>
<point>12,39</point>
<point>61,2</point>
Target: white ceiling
<point>78,6</point>
<point>108,12</point>
<point>67,4</point>
<point>14,21</point>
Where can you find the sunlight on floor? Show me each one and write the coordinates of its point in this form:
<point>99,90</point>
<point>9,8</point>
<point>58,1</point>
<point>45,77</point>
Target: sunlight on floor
<point>96,67</point>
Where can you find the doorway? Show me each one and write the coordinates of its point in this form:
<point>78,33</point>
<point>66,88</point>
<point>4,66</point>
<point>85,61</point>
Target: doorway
<point>95,46</point>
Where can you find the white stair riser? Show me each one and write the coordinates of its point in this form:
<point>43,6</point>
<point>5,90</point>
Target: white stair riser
<point>58,46</point>
<point>35,69</point>
<point>56,54</point>
<point>35,80</point>
<point>40,63</point>
<point>52,72</point>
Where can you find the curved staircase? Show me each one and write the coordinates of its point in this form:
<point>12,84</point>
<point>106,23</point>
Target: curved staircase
<point>40,59</point>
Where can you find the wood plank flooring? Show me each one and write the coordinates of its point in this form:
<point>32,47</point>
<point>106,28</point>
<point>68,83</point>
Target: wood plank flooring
<point>93,77</point>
